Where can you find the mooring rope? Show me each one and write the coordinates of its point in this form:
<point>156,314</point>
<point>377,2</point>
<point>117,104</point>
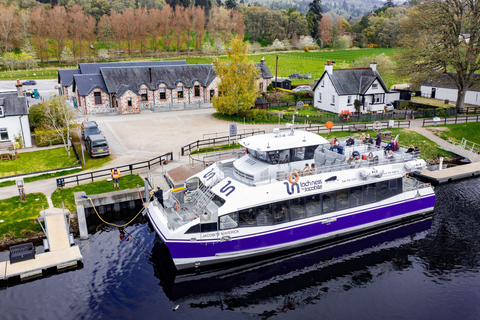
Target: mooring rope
<point>118,225</point>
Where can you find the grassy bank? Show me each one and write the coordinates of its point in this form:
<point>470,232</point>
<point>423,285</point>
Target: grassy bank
<point>456,132</point>
<point>19,218</point>
<point>65,195</point>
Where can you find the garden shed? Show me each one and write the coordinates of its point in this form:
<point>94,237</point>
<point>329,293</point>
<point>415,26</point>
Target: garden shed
<point>283,84</point>
<point>261,103</point>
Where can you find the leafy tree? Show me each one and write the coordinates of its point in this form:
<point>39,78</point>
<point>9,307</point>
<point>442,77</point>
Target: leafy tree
<point>237,80</point>
<point>434,35</point>
<point>385,66</point>
<point>314,15</point>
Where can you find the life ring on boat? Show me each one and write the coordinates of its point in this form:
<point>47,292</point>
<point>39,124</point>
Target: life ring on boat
<point>176,205</point>
<point>293,177</point>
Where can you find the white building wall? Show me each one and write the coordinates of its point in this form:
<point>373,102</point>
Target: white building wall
<point>472,97</point>
<point>12,124</point>
<point>323,95</point>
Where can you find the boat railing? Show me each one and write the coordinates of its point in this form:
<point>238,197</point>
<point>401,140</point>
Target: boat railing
<point>412,184</point>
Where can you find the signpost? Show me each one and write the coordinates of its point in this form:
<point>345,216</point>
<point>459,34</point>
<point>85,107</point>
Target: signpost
<point>232,129</point>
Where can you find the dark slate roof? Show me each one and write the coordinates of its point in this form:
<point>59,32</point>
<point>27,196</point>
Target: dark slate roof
<point>13,105</point>
<point>65,77</point>
<point>93,68</point>
<point>260,100</point>
<point>85,83</point>
<point>266,74</point>
<point>445,81</point>
<point>117,80</point>
<point>353,81</point>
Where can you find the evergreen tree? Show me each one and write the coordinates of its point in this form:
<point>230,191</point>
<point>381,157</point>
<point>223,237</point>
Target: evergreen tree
<point>219,3</point>
<point>314,15</point>
<point>230,4</point>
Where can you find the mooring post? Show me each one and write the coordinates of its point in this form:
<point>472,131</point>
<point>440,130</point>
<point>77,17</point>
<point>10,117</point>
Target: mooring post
<point>440,165</point>
<point>147,197</point>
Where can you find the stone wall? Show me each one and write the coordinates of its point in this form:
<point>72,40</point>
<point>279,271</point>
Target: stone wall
<point>91,107</point>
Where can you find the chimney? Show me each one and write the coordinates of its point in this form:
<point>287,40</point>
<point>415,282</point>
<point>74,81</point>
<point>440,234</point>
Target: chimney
<point>150,72</point>
<point>373,65</point>
<point>329,67</point>
<point>263,60</point>
<point>19,88</point>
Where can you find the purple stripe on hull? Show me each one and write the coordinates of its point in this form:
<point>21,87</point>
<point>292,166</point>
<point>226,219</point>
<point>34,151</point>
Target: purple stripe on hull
<point>181,250</point>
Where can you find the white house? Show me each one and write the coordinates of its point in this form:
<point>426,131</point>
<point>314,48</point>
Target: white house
<point>14,116</point>
<point>444,88</point>
<point>337,89</point>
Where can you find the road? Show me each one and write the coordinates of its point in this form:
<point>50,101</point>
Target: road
<point>45,87</point>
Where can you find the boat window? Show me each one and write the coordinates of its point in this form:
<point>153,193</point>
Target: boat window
<point>313,205</point>
<point>284,156</point>
<point>208,227</point>
<point>342,199</point>
<point>247,218</point>
<point>192,184</point>
<point>281,212</point>
<point>229,221</point>
<point>356,196</point>
<point>218,201</point>
<point>273,157</point>
<point>297,208</point>
<point>194,229</point>
<point>264,215</point>
<point>310,152</point>
<point>297,154</point>
<point>369,192</point>
<point>328,201</point>
<point>384,191</point>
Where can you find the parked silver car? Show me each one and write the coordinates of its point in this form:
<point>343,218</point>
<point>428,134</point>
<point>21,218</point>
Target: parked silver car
<point>97,145</point>
<point>302,88</point>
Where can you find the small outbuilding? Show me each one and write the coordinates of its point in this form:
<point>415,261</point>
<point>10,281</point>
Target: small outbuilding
<point>261,103</point>
<point>283,84</point>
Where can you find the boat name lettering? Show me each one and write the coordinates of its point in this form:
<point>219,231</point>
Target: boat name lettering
<point>226,188</point>
<point>209,175</point>
<point>209,235</point>
<point>349,180</point>
<point>224,233</point>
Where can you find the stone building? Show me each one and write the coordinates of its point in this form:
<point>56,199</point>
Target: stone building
<point>135,86</point>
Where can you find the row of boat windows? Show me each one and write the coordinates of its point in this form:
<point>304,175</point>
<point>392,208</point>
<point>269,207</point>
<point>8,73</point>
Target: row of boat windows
<point>284,156</point>
<point>304,207</point>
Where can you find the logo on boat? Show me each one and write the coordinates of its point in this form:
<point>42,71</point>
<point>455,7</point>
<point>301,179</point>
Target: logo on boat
<point>228,188</point>
<point>303,186</point>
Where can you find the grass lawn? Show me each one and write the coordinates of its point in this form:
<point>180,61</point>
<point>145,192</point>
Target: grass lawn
<point>65,195</point>
<point>432,102</point>
<point>37,161</point>
<point>455,132</point>
<point>90,163</point>
<point>20,217</point>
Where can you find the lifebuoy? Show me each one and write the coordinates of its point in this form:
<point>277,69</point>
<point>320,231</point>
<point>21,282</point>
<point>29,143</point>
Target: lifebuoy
<point>292,179</point>
<point>176,205</point>
<point>245,151</point>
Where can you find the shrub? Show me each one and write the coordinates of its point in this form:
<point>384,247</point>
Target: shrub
<point>447,101</point>
<point>48,138</point>
<point>441,112</point>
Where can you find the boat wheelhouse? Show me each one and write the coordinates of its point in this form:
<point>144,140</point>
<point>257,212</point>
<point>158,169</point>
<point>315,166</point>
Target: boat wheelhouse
<point>268,200</point>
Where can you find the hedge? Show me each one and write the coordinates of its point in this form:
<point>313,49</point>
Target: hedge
<point>48,138</point>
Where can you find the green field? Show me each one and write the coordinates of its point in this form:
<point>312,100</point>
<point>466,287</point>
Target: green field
<point>455,132</point>
<point>311,63</point>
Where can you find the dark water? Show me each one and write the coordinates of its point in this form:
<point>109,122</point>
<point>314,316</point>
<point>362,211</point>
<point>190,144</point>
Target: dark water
<point>425,270</point>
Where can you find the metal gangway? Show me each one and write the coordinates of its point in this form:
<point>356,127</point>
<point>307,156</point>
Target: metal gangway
<point>472,147</point>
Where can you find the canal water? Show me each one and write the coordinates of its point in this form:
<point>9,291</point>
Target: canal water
<point>429,269</point>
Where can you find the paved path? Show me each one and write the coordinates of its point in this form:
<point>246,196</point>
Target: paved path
<point>139,137</point>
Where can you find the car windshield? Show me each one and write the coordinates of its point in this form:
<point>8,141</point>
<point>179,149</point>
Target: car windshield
<point>93,130</point>
<point>100,144</point>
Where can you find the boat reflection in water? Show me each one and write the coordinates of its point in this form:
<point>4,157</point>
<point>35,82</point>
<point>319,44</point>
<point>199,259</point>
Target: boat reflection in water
<point>295,277</point>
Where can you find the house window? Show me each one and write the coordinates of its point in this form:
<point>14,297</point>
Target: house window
<point>375,86</point>
<point>212,94</point>
<point>261,86</point>
<point>2,114</point>
<point>333,99</point>
<point>197,91</point>
<point>129,102</point>
<point>180,92</point>
<point>320,96</point>
<point>163,94</point>
<point>3,134</point>
<point>323,83</point>
<point>349,100</point>
<point>378,98</point>
<point>144,94</point>
<point>98,97</point>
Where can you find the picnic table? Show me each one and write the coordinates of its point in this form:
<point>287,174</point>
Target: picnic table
<point>386,135</point>
<point>7,151</point>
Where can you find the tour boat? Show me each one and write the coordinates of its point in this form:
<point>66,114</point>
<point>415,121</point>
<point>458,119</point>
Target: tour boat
<point>267,200</point>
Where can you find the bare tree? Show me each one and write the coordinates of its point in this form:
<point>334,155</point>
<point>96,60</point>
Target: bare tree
<point>179,22</point>
<point>60,118</point>
<point>165,25</point>
<point>152,27</point>
<point>140,37</point>
<point>105,31</point>
<point>57,28</point>
<point>8,24</point>
<point>325,29</point>
<point>24,25</point>
<point>443,36</point>
<point>199,27</point>
<point>39,31</point>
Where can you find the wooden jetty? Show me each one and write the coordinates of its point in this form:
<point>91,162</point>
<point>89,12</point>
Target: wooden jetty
<point>452,174</point>
<point>62,251</point>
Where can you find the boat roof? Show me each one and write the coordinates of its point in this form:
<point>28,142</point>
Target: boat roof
<point>281,140</point>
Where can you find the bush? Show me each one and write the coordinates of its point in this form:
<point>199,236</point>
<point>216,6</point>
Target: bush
<point>447,101</point>
<point>36,116</point>
<point>441,112</point>
<point>48,138</point>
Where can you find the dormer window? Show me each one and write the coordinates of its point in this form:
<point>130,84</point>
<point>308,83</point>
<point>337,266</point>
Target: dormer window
<point>180,92</point>
<point>144,94</point>
<point>2,113</point>
<point>375,86</point>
